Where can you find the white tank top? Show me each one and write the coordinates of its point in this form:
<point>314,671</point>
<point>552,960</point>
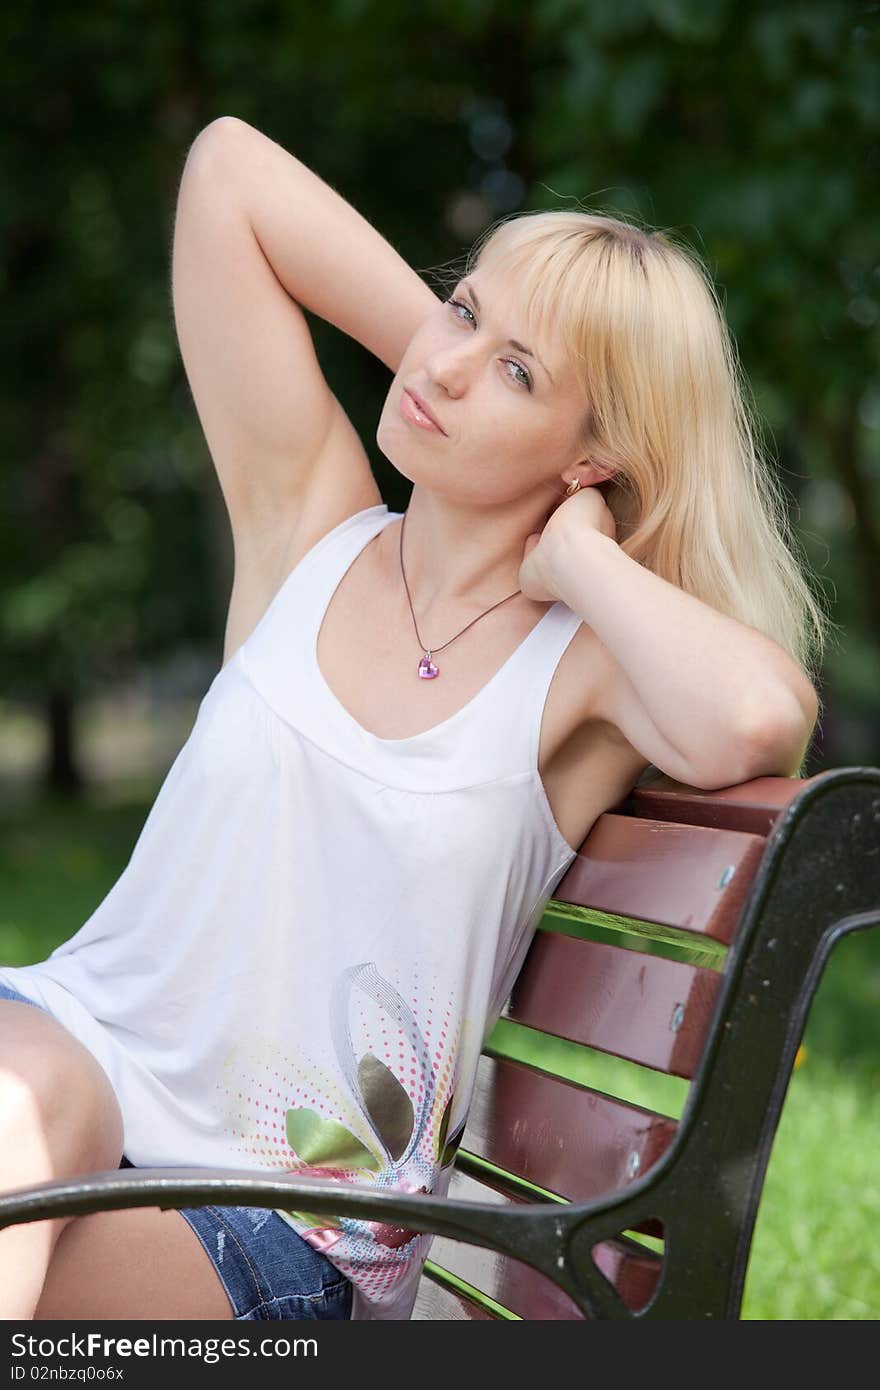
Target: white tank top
<point>318,928</point>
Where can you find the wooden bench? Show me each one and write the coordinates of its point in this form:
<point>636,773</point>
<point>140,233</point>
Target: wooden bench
<point>688,937</point>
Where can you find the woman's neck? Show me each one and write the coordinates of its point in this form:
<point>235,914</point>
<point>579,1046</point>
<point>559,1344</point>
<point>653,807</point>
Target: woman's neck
<point>459,557</point>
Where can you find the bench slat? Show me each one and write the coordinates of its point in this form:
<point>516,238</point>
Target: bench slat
<point>518,1287</point>
<point>753,806</point>
<point>686,876</point>
<point>435,1303</point>
<point>567,1138</point>
<point>641,1007</point>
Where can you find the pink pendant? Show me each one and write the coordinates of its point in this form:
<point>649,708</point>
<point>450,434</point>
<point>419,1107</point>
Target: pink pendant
<point>427,669</point>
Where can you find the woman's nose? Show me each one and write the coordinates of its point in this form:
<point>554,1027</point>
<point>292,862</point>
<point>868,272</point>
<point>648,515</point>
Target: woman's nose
<point>451,369</point>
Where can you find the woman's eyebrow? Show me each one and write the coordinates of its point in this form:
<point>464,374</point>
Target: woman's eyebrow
<point>520,347</point>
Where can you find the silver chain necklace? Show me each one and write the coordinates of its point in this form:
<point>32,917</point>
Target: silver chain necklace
<point>427,667</point>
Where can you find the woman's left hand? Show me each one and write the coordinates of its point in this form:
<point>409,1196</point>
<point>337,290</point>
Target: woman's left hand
<point>584,509</point>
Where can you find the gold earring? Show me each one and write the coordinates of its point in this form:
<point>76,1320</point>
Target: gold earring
<point>572,488</point>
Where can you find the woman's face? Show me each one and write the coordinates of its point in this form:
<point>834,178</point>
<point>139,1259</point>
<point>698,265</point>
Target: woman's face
<point>511,419</point>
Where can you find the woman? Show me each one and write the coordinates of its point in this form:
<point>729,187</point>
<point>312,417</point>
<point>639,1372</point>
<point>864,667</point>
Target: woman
<point>418,718</point>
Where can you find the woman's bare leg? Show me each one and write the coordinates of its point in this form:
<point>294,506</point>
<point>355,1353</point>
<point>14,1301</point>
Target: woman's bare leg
<point>59,1118</point>
<point>133,1263</point>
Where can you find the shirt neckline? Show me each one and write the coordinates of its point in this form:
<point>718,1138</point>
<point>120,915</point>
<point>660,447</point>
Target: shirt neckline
<point>436,729</point>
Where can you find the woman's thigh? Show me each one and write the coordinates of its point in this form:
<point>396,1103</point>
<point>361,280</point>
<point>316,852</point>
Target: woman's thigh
<point>138,1262</point>
<point>59,1117</point>
<point>214,1262</point>
<point>76,1114</point>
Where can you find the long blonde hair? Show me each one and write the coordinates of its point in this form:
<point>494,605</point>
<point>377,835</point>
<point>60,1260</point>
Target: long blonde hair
<point>668,408</point>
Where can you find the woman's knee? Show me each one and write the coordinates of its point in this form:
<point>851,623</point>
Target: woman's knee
<point>52,1087</point>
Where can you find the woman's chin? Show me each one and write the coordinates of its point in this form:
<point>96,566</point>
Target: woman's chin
<point>398,451</point>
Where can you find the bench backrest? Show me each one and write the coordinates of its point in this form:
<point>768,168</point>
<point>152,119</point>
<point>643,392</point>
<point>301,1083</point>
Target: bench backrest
<point>687,938</point>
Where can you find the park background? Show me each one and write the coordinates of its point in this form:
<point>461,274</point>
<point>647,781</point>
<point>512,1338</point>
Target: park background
<point>751,129</point>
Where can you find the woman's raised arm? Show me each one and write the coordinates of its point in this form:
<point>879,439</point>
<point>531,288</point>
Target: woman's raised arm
<point>258,235</point>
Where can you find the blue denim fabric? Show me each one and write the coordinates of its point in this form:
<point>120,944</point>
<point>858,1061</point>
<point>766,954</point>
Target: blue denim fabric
<point>266,1267</point>
<point>7,992</point>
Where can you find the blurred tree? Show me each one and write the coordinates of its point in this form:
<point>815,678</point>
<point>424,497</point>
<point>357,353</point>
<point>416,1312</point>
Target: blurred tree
<point>103,562</point>
<point>754,130</point>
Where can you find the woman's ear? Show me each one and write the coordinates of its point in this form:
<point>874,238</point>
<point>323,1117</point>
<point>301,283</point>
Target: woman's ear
<point>589,473</point>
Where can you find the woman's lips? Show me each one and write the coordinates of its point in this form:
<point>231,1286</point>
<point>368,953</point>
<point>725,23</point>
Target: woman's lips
<point>411,411</point>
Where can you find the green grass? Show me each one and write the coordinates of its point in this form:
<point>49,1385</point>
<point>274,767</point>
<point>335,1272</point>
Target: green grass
<point>814,1253</point>
<point>57,861</point>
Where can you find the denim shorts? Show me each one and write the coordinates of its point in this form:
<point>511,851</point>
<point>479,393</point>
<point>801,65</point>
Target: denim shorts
<point>266,1267</point>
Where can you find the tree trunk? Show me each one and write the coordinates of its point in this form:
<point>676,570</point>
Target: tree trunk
<point>62,772</point>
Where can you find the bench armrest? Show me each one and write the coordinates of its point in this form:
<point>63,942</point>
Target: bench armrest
<point>539,1233</point>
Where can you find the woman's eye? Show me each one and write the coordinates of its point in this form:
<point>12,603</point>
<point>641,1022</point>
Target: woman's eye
<point>525,379</point>
<point>459,304</point>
